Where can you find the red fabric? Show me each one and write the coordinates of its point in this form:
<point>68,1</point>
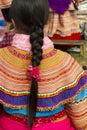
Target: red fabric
<point>75,36</point>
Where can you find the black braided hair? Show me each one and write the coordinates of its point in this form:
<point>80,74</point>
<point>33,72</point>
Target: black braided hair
<point>36,39</point>
<point>30,16</point>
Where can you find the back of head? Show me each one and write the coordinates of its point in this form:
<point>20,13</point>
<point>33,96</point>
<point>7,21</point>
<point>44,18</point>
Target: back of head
<point>28,14</point>
<point>29,17</point>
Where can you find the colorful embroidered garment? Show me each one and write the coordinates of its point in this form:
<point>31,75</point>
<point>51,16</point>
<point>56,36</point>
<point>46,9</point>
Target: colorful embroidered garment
<point>2,27</point>
<point>63,83</point>
<point>65,26</point>
<point>7,39</point>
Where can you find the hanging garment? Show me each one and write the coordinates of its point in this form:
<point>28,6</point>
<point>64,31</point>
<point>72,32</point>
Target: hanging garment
<point>5,4</point>
<point>2,27</point>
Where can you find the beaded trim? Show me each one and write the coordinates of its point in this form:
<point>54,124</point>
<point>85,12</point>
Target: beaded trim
<point>54,118</point>
<point>28,56</point>
<point>72,85</point>
<point>37,121</point>
<point>44,109</point>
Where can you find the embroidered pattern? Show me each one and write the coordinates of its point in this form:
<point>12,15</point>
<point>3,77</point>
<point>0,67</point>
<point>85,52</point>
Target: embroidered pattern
<point>28,56</point>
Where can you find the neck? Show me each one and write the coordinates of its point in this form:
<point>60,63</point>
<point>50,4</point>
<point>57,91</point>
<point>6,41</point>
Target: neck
<point>22,41</point>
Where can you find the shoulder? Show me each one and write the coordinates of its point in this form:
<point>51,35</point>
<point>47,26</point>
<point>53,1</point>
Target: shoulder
<point>3,49</point>
<point>8,36</point>
<point>71,70</point>
<point>66,58</point>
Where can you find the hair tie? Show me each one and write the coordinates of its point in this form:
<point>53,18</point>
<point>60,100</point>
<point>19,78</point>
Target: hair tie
<point>34,72</point>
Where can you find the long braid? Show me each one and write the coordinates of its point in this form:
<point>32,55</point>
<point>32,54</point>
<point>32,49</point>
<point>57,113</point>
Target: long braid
<point>36,39</point>
<point>29,17</point>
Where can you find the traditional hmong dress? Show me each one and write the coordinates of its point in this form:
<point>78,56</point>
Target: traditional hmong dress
<point>3,5</point>
<point>63,23</point>
<point>62,88</point>
<point>2,27</point>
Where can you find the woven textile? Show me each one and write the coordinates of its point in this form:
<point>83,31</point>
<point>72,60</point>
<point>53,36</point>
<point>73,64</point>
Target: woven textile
<point>62,80</point>
<point>7,39</point>
<point>63,25</point>
<point>15,63</point>
<point>2,26</point>
<point>78,116</point>
<point>5,4</point>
